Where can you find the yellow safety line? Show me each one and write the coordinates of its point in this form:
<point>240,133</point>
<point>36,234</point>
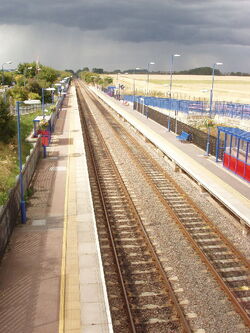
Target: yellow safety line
<point>64,246</point>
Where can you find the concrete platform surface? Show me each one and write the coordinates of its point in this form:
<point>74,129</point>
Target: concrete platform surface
<point>224,185</point>
<point>51,277</point>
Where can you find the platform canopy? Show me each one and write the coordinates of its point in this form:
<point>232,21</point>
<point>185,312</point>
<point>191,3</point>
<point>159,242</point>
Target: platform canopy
<point>239,133</point>
<point>234,149</point>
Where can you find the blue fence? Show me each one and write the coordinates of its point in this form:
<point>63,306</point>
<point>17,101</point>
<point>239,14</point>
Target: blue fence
<point>232,110</point>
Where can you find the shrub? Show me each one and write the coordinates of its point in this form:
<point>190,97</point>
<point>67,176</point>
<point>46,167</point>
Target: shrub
<point>7,122</point>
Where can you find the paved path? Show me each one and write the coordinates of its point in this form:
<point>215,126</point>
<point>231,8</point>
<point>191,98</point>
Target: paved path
<point>51,276</point>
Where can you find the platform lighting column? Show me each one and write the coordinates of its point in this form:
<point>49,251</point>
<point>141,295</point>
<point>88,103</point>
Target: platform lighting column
<point>118,84</point>
<point>22,201</point>
<point>5,63</point>
<point>136,69</point>
<point>170,89</point>
<point>150,63</point>
<point>25,72</point>
<point>48,89</point>
<point>210,108</point>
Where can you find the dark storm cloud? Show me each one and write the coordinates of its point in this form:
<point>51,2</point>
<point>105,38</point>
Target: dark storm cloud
<point>181,21</point>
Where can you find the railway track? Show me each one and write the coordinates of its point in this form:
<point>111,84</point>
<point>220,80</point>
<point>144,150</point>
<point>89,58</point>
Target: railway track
<point>229,267</point>
<point>140,295</point>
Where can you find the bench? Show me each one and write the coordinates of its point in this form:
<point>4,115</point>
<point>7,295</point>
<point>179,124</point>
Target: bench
<point>183,137</point>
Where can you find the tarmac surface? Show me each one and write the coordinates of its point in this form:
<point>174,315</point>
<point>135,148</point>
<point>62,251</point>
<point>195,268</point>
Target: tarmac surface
<point>51,277</point>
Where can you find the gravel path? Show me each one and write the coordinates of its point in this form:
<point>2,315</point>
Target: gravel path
<point>204,302</point>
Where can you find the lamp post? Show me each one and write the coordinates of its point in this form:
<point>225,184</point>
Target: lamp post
<point>210,108</point>
<point>171,77</point>
<point>170,90</point>
<point>58,87</point>
<point>5,63</point>
<point>25,72</point>
<point>118,85</point>
<point>204,99</point>
<point>212,88</point>
<point>150,63</point>
<point>136,69</point>
<point>22,201</point>
<point>48,89</point>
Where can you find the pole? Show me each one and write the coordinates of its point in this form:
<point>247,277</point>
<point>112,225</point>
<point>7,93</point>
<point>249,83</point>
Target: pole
<point>2,76</point>
<point>43,102</point>
<point>134,88</point>
<point>171,78</point>
<point>208,141</point>
<point>210,111</point>
<point>147,80</point>
<point>22,202</point>
<point>211,94</point>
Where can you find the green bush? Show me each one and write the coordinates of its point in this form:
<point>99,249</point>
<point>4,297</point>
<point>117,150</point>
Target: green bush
<point>7,122</point>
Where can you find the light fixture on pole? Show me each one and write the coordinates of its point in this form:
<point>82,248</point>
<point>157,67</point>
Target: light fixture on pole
<point>212,88</point>
<point>52,93</point>
<point>150,63</point>
<point>210,108</point>
<point>22,201</point>
<point>136,69</point>
<point>48,89</point>
<point>25,73</point>
<point>118,85</point>
<point>5,63</point>
<point>170,89</point>
<point>171,77</point>
<point>58,86</point>
<point>203,101</point>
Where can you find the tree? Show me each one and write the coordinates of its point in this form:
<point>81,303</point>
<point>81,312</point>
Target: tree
<point>97,70</point>
<point>85,69</point>
<point>70,71</point>
<point>19,93</point>
<point>107,80</point>
<point>28,70</point>
<point>47,74</point>
<point>7,78</point>
<point>90,77</point>
<point>200,71</point>
<point>7,122</point>
<point>34,86</point>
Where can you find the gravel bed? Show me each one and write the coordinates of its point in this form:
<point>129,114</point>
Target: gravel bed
<point>204,302</point>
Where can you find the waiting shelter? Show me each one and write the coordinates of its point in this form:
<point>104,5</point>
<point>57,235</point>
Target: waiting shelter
<point>233,148</point>
<point>111,90</point>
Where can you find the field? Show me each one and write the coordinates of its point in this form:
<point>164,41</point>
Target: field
<point>226,88</point>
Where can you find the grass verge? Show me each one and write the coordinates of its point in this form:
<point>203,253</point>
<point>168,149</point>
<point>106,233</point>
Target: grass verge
<point>9,165</point>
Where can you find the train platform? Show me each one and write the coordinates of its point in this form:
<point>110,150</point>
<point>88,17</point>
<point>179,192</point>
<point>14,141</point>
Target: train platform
<point>51,277</point>
<point>228,188</point>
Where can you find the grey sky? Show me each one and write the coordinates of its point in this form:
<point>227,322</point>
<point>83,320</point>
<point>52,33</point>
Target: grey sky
<point>126,33</point>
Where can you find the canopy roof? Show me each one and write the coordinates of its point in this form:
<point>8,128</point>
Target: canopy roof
<point>239,133</point>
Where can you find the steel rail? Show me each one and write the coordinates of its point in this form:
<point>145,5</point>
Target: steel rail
<point>155,258</point>
<point>205,259</point>
<point>122,283</point>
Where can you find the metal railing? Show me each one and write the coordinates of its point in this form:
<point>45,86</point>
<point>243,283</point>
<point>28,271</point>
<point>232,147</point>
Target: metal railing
<point>10,211</point>
<point>227,109</point>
